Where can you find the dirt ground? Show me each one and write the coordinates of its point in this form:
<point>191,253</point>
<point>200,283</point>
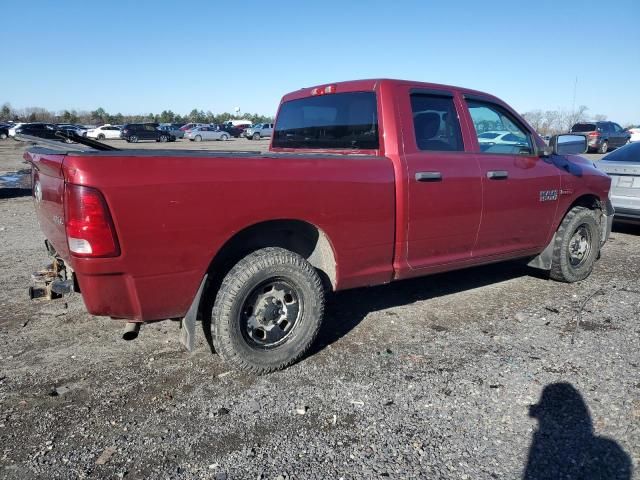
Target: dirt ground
<point>491,372</point>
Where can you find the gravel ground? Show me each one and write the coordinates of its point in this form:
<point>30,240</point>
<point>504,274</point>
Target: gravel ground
<point>479,374</point>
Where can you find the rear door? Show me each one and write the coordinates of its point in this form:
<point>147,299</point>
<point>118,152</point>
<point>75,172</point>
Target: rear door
<point>150,132</point>
<point>620,134</point>
<point>520,189</point>
<point>444,185</point>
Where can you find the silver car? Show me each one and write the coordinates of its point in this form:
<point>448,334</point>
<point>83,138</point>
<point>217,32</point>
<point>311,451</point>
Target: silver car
<point>258,131</point>
<point>198,134</point>
<point>623,166</point>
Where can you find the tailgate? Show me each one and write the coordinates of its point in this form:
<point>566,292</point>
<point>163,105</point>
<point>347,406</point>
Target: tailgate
<point>48,192</point>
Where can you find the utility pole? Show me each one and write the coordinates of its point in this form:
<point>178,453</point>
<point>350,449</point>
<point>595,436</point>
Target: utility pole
<point>575,87</point>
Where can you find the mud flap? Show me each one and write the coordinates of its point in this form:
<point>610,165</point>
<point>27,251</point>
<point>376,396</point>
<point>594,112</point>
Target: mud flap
<point>188,323</point>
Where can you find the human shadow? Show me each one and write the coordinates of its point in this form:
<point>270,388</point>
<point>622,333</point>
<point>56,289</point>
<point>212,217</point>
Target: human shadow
<point>564,445</point>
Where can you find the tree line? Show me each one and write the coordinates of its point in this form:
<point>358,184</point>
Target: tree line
<point>552,122</point>
<point>100,116</point>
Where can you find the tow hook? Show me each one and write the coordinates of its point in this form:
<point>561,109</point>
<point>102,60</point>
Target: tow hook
<point>51,282</point>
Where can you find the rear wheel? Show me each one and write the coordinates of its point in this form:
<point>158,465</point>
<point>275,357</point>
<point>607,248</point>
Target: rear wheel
<point>224,137</point>
<point>604,147</point>
<point>576,246</point>
<point>198,138</point>
<point>133,139</point>
<point>268,311</point>
<point>163,138</point>
<point>256,136</point>
<point>101,136</point>
<point>3,136</point>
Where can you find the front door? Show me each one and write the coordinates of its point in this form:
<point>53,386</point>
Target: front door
<point>444,188</point>
<point>520,189</point>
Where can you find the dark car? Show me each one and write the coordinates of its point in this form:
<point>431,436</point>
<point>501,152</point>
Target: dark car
<point>602,136</point>
<point>46,131</point>
<point>235,132</point>
<point>134,132</point>
<point>173,130</point>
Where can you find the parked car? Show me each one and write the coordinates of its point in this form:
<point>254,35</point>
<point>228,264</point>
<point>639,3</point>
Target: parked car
<point>40,130</point>
<point>134,132</point>
<point>500,138</point>
<point>14,127</point>
<point>602,136</point>
<point>104,132</point>
<point>76,129</point>
<point>258,131</point>
<point>623,166</point>
<point>235,132</point>
<point>173,130</point>
<point>4,132</point>
<point>263,236</point>
<point>189,126</point>
<point>199,134</point>
<point>635,134</point>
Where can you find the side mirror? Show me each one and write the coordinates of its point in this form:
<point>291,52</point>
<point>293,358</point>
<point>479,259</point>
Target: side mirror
<point>568,144</point>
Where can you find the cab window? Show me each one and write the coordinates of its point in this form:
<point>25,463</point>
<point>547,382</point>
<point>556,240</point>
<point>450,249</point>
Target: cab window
<point>435,123</point>
<point>498,131</point>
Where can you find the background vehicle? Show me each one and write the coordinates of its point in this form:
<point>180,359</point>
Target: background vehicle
<point>235,132</point>
<point>104,132</point>
<point>199,134</point>
<point>623,166</point>
<point>189,126</point>
<point>602,136</point>
<point>41,130</point>
<point>239,123</point>
<point>504,138</point>
<point>134,132</point>
<point>12,128</point>
<point>172,130</point>
<point>258,131</point>
<point>4,131</point>
<point>635,134</point>
<point>360,187</point>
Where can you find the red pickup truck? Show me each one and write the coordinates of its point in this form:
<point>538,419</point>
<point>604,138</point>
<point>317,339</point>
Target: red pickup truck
<point>365,182</point>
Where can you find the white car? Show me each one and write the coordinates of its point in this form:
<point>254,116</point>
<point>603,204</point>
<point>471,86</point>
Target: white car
<point>12,130</point>
<point>500,138</point>
<point>635,134</point>
<point>198,134</point>
<point>103,132</point>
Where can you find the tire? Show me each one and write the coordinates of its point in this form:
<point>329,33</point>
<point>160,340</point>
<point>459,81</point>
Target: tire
<point>576,245</point>
<point>101,136</point>
<point>240,337</point>
<point>133,139</point>
<point>604,147</point>
<point>256,136</point>
<point>3,136</point>
<point>224,138</point>
<point>198,138</point>
<point>163,138</point>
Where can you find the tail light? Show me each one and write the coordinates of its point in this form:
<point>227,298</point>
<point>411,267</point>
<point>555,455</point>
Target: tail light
<point>90,230</point>
<point>594,134</point>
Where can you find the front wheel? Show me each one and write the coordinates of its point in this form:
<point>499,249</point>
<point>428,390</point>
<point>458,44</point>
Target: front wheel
<point>163,138</point>
<point>133,139</point>
<point>224,137</point>
<point>101,136</point>
<point>576,245</point>
<point>256,136</point>
<point>268,311</point>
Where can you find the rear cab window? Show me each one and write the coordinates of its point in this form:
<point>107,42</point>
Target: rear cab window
<point>435,123</point>
<point>336,121</point>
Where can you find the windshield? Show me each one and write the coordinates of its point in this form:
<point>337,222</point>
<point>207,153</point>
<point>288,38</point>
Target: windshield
<point>341,121</point>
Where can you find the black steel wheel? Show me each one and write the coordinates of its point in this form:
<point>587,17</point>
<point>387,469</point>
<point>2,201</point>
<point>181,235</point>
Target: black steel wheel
<point>576,245</point>
<point>268,311</point>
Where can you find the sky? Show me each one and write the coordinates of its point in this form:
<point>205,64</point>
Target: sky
<point>147,56</point>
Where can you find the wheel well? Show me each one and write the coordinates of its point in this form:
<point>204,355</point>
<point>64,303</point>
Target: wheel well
<point>300,237</point>
<point>589,201</point>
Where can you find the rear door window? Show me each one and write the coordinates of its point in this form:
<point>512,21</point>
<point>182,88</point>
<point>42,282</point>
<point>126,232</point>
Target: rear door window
<point>334,121</point>
<point>435,123</point>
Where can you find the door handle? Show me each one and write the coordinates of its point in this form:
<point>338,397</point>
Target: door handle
<point>428,176</point>
<point>497,174</point>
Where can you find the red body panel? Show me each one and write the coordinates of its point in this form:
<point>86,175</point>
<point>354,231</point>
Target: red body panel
<point>173,211</point>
